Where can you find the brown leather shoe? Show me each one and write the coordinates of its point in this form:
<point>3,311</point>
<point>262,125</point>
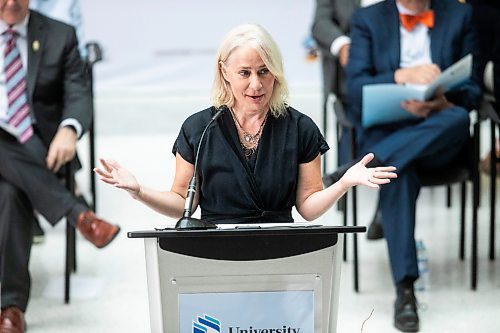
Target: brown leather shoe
<point>12,320</point>
<point>97,231</point>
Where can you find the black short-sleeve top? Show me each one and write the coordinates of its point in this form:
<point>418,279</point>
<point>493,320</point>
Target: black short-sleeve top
<point>233,189</point>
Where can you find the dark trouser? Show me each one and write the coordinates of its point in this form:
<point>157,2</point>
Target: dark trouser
<point>432,144</point>
<point>25,184</point>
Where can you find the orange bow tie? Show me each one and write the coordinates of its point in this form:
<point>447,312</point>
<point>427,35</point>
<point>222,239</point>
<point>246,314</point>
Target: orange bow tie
<point>409,21</point>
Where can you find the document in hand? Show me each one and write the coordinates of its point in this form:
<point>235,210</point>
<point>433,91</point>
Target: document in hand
<point>382,102</point>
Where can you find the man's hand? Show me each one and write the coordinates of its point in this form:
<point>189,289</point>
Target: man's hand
<point>62,148</point>
<point>423,109</point>
<point>421,74</point>
<point>344,55</point>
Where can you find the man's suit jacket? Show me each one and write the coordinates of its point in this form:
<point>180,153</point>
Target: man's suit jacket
<point>332,19</point>
<point>57,89</point>
<point>375,48</point>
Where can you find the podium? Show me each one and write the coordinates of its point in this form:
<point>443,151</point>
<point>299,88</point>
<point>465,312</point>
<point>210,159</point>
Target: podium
<point>244,279</point>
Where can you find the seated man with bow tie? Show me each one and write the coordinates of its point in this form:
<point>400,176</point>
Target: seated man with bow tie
<point>44,109</point>
<point>410,42</point>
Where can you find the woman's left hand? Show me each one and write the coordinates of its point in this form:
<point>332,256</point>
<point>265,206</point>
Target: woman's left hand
<point>359,174</point>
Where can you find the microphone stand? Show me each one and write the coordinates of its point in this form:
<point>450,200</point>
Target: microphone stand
<point>186,221</point>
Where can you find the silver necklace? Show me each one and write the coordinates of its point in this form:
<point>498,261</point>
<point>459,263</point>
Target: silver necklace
<point>248,141</point>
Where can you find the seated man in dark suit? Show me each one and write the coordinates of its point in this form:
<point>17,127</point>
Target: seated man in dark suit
<point>410,42</point>
<point>44,109</point>
<point>330,30</point>
<point>67,12</point>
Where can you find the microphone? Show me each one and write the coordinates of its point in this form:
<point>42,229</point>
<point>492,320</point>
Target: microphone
<point>186,221</point>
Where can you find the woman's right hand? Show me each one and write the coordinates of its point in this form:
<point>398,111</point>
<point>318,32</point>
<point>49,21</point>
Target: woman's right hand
<point>113,174</point>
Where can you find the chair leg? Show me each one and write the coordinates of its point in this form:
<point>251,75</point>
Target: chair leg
<point>448,196</point>
<point>355,240</point>
<point>72,250</point>
<point>344,216</point>
<point>474,241</point>
<point>477,136</point>
<point>92,165</point>
<point>90,73</point>
<point>493,183</point>
<point>463,190</point>
<point>475,206</point>
<point>353,154</point>
<point>325,127</point>
<point>70,263</point>
<point>341,203</point>
<point>70,240</point>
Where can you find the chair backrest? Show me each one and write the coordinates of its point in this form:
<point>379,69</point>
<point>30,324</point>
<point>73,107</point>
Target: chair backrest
<point>94,53</point>
<point>488,77</point>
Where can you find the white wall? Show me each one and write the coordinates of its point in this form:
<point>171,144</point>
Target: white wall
<point>171,44</point>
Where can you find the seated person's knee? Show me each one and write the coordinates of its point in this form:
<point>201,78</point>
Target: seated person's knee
<point>10,192</point>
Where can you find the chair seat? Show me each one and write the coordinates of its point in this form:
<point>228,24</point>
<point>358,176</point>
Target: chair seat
<point>444,177</point>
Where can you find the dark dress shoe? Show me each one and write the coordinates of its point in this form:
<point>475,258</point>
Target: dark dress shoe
<point>97,231</point>
<point>375,230</point>
<point>12,320</point>
<point>405,311</point>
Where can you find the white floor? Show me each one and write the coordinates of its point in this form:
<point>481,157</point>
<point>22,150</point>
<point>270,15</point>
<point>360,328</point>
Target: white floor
<point>168,80</point>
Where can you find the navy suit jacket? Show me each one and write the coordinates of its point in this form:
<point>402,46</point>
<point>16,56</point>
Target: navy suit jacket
<point>375,49</point>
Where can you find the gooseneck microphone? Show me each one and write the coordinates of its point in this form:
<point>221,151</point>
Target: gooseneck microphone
<point>186,221</point>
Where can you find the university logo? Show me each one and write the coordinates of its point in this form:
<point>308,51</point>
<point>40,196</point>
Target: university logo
<point>206,324</point>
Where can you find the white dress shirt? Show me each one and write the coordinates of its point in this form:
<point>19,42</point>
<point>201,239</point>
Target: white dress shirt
<point>415,44</point>
<point>22,44</point>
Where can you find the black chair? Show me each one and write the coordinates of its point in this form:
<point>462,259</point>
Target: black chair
<point>94,55</point>
<point>488,112</point>
<point>448,176</point>
<point>70,262</point>
<point>494,161</point>
<point>332,88</point>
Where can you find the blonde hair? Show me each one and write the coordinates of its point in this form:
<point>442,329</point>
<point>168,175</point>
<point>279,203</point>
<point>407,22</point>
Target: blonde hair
<point>259,39</point>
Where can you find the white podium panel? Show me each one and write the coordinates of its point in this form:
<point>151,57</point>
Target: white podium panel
<point>239,281</point>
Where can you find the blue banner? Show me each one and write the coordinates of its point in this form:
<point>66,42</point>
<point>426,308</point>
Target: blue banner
<point>247,312</point>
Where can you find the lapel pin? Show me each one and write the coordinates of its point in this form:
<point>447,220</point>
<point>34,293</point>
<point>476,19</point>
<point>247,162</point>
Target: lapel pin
<point>36,45</point>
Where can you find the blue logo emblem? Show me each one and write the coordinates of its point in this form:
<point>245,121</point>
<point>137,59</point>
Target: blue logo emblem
<point>206,324</point>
